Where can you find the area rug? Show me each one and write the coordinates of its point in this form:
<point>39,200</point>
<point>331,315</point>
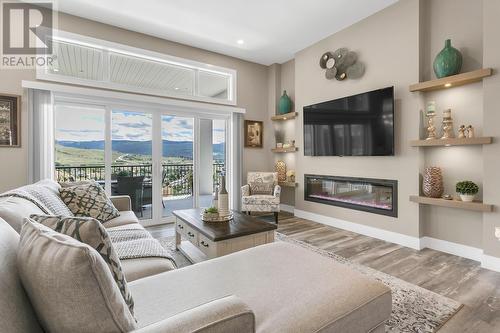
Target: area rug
<point>414,309</point>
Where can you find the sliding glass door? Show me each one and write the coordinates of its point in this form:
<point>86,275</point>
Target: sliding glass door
<point>163,159</point>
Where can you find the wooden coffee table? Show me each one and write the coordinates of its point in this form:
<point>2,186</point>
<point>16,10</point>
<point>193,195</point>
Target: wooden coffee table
<point>199,240</point>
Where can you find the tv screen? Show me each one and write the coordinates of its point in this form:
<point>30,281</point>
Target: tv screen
<point>358,125</point>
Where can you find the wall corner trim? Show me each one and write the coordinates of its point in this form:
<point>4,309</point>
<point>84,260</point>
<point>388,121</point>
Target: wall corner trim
<point>465,251</point>
<point>287,208</point>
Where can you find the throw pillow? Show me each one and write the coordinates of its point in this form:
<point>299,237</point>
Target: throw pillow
<point>69,284</point>
<point>261,188</point>
<point>91,232</point>
<point>89,200</point>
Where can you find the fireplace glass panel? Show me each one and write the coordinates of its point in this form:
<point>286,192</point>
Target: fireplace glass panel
<point>376,196</point>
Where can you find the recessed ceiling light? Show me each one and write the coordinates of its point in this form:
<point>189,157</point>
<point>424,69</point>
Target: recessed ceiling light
<point>240,42</point>
<point>176,88</point>
<point>55,70</point>
<point>447,85</point>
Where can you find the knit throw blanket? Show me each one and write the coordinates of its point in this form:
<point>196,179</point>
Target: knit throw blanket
<point>19,193</point>
<point>132,242</point>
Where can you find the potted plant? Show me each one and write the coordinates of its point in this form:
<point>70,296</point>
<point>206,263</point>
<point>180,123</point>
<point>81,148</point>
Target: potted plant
<point>467,190</point>
<point>210,214</point>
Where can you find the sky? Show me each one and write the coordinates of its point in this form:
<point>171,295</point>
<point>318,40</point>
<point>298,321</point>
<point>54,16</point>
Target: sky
<point>87,124</point>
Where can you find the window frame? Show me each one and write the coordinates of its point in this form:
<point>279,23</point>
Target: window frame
<point>111,47</point>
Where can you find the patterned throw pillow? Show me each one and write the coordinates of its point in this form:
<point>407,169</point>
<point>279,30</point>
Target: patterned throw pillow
<point>89,200</point>
<point>91,232</point>
<point>49,198</point>
<point>261,188</point>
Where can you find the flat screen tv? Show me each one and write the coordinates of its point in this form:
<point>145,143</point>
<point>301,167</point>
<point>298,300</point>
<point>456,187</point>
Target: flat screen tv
<point>358,125</point>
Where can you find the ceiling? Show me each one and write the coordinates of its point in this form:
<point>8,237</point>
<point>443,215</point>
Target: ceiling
<point>272,30</point>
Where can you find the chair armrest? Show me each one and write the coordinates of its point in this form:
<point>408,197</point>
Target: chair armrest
<point>121,202</point>
<point>228,314</point>
<point>245,190</point>
<point>277,191</point>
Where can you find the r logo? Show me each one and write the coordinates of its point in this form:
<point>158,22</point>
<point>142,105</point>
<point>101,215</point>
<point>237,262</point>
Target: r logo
<point>27,28</point>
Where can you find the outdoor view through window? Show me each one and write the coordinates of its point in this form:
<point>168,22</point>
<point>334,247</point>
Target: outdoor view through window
<point>80,155</point>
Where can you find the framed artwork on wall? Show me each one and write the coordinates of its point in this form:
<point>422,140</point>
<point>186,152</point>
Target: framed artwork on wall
<point>254,133</point>
<point>10,121</point>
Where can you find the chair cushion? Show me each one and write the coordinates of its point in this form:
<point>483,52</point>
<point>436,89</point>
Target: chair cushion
<point>260,199</point>
<point>259,187</point>
<point>139,268</point>
<point>14,210</point>
<point>89,200</point>
<point>69,283</point>
<point>16,313</point>
<point>307,292</point>
<point>91,232</point>
<point>125,218</point>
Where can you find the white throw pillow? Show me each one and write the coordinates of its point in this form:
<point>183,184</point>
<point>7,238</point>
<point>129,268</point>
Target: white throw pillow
<point>69,284</point>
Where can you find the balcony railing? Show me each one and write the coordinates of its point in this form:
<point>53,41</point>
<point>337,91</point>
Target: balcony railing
<point>177,179</point>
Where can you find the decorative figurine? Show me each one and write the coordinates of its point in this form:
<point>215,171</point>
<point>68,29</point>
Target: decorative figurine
<point>431,113</point>
<point>462,132</point>
<point>470,131</point>
<point>447,125</point>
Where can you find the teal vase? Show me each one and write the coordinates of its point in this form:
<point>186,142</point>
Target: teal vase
<point>285,104</point>
<point>448,61</point>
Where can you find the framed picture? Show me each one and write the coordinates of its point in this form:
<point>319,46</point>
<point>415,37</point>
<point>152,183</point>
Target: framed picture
<point>253,133</point>
<point>10,121</point>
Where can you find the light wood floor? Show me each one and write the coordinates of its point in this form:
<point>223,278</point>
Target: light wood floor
<point>455,277</point>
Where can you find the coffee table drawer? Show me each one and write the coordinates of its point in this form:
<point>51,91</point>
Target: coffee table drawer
<point>191,234</point>
<point>208,247</point>
<point>180,227</point>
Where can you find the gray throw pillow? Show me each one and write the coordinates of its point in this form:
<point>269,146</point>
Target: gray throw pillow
<point>69,284</point>
<point>261,188</point>
<point>89,200</point>
<point>91,232</point>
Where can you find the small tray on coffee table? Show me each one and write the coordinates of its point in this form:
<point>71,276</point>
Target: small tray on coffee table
<point>217,218</point>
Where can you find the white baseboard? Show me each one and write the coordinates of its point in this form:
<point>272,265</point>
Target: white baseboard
<point>465,251</point>
<point>490,262</point>
<point>389,236</point>
<point>460,250</point>
<point>287,208</point>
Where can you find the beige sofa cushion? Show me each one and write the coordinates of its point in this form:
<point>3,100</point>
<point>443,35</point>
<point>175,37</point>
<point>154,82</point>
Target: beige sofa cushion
<point>126,217</point>
<point>289,289</point>
<point>14,210</point>
<point>91,232</point>
<point>69,284</point>
<point>141,267</point>
<point>16,313</point>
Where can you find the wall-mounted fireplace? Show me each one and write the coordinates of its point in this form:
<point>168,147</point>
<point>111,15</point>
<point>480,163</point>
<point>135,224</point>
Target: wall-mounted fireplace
<point>379,196</point>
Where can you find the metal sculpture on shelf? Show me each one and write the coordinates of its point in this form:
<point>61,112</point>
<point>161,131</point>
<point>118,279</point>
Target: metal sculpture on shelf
<point>341,64</point>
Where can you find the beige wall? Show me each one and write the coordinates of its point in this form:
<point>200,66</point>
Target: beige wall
<point>461,21</point>
<point>252,91</point>
<point>388,44</point>
<point>491,121</point>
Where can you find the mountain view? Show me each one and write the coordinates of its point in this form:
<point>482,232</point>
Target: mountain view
<point>126,152</point>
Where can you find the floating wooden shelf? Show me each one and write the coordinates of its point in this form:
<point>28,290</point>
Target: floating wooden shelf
<point>285,150</point>
<point>452,142</point>
<point>286,116</point>
<point>288,184</point>
<point>452,81</point>
<point>474,205</point>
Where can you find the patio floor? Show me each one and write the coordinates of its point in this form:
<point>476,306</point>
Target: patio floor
<point>174,203</point>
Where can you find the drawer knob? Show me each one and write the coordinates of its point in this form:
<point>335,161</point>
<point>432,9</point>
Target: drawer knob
<point>204,244</point>
<point>190,234</point>
<point>180,226</point>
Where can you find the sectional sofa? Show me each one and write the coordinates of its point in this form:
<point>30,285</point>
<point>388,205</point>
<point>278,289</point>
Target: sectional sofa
<point>276,287</point>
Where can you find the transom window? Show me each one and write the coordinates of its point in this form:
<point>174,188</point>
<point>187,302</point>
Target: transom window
<point>98,63</point>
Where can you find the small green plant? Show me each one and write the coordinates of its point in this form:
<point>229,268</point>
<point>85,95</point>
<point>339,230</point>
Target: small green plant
<point>211,210</point>
<point>123,173</point>
<point>467,187</point>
